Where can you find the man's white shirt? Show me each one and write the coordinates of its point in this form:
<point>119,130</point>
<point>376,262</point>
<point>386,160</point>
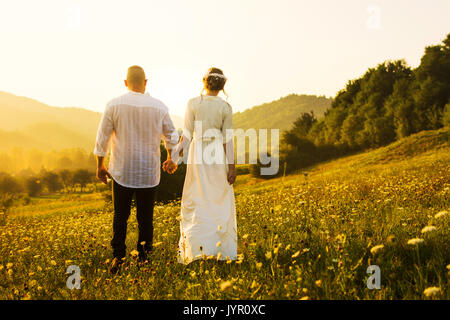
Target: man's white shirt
<point>133,124</point>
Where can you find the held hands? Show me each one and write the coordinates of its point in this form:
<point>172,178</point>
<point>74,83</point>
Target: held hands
<point>169,166</point>
<point>103,174</point>
<point>231,175</point>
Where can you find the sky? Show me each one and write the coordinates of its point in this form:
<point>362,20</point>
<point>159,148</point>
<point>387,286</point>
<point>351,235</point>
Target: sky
<point>76,52</point>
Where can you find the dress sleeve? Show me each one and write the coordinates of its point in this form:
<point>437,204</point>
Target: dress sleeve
<point>188,130</point>
<point>227,126</point>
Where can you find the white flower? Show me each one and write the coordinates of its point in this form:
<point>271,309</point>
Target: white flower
<point>431,291</point>
<point>428,229</point>
<point>415,241</point>
<point>377,248</point>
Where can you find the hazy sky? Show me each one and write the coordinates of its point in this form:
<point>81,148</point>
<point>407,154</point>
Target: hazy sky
<point>75,52</point>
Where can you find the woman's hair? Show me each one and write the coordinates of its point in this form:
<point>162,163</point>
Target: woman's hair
<point>214,80</point>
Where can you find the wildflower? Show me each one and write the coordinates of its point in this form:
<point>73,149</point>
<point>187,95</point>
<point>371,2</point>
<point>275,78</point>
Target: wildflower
<point>134,253</point>
<point>428,229</point>
<point>219,255</point>
<point>258,265</point>
<point>441,214</point>
<point>415,241</point>
<point>295,255</point>
<point>219,227</point>
<point>304,298</point>
<point>157,244</point>
<point>287,247</point>
<point>225,285</point>
<point>269,255</point>
<point>431,291</point>
<point>142,243</point>
<point>245,236</point>
<point>69,261</point>
<point>318,283</point>
<point>218,244</point>
<point>377,248</point>
<point>53,263</point>
<point>9,265</point>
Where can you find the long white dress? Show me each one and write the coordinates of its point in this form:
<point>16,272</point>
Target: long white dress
<point>208,213</point>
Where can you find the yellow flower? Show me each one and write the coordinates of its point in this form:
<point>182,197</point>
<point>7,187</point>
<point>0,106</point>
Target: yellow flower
<point>258,265</point>
<point>245,236</point>
<point>9,265</point>
<point>431,291</point>
<point>428,229</point>
<point>53,263</point>
<point>32,283</point>
<point>287,247</point>
<point>225,285</point>
<point>415,241</point>
<point>377,248</point>
<point>295,255</point>
<point>134,253</point>
<point>219,255</point>
<point>219,227</point>
<point>269,255</point>
<point>441,214</point>
<point>304,298</point>
<point>157,244</point>
<point>218,244</point>
<point>318,283</point>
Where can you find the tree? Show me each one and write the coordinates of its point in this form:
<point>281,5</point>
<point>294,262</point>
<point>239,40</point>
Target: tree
<point>82,177</point>
<point>33,186</point>
<point>66,177</point>
<point>9,191</point>
<point>52,181</point>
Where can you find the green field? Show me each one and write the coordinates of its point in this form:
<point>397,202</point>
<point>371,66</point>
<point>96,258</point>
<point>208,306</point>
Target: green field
<point>311,235</point>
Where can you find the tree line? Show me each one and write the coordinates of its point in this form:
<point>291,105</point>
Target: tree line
<point>387,103</point>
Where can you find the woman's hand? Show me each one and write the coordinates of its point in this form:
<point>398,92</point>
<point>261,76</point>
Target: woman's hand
<point>231,175</point>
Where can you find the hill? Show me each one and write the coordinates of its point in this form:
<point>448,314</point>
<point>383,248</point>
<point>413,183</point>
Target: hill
<point>29,124</point>
<point>281,113</point>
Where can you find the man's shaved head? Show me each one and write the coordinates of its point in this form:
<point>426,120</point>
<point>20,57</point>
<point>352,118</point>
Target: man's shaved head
<point>135,76</point>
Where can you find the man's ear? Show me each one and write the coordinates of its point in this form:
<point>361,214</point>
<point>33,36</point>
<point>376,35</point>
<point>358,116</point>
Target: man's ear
<point>126,83</point>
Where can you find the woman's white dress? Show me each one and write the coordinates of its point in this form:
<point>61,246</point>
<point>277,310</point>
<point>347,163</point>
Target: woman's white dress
<point>208,212</point>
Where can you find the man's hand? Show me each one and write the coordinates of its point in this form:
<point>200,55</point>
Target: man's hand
<point>103,174</point>
<point>231,175</point>
<point>169,166</point>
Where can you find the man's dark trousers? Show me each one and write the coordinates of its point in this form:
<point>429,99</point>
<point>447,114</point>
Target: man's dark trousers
<point>145,200</point>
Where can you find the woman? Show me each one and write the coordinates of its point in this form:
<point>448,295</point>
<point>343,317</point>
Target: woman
<point>208,212</point>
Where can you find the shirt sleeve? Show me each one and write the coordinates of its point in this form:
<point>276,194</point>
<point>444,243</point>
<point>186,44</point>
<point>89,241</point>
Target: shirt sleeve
<point>104,133</point>
<point>170,134</point>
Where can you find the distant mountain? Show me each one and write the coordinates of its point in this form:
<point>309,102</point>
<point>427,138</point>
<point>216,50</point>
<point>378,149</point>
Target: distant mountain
<point>30,124</point>
<point>280,114</point>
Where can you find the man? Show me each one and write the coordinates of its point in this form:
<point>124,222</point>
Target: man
<point>135,123</point>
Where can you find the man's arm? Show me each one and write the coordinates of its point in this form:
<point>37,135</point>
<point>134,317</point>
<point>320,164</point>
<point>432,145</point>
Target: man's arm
<point>170,137</point>
<point>102,171</point>
<point>104,133</point>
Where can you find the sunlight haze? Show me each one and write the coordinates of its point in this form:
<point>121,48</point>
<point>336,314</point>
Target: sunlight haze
<point>76,53</point>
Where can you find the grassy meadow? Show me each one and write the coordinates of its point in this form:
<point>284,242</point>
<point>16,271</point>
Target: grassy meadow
<point>309,235</point>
